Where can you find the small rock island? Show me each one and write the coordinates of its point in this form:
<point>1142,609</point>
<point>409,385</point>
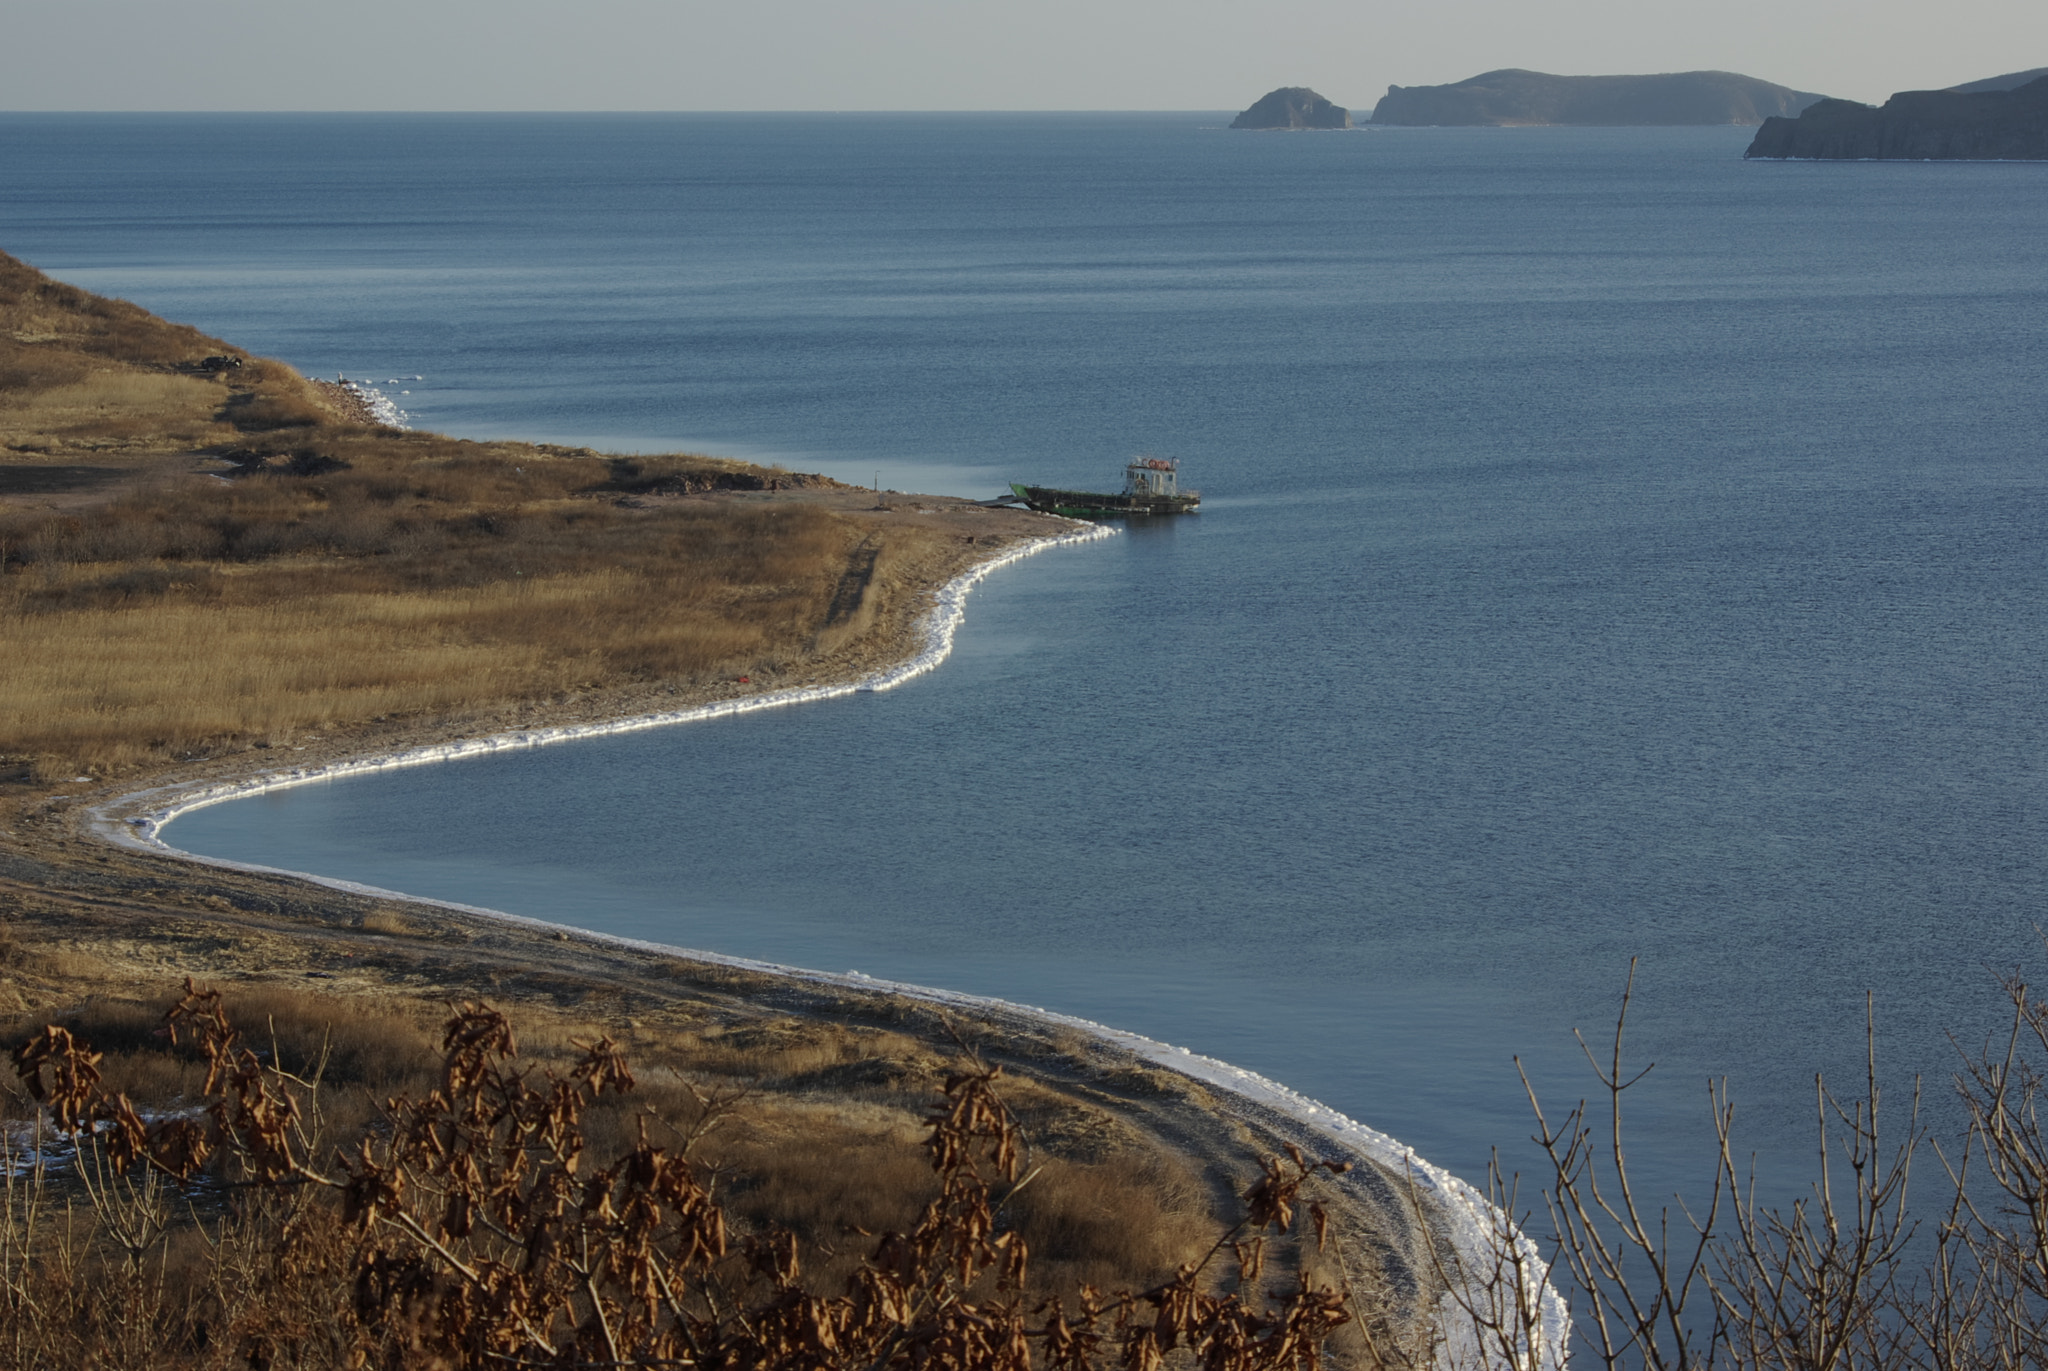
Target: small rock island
<point>2002,118</point>
<point>1516,97</point>
<point>1293,107</point>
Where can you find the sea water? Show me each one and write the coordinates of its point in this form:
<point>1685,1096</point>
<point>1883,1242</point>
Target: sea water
<point>1610,549</point>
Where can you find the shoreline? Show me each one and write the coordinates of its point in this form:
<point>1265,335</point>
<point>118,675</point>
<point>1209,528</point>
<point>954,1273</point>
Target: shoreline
<point>1468,1219</point>
<point>95,907</point>
<point>362,404</point>
<point>935,632</point>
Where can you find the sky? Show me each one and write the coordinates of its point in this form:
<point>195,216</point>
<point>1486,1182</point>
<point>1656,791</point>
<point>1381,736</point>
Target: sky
<point>759,55</point>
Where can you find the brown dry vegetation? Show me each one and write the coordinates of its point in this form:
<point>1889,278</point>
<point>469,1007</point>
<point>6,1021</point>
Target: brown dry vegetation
<point>201,551</point>
<point>238,1261</point>
<point>1097,1218</point>
<point>144,634</point>
<point>826,1089</point>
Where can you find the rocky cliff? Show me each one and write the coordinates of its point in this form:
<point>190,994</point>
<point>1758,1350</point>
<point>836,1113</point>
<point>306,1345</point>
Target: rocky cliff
<point>1514,96</point>
<point>1977,122</point>
<point>1293,107</point>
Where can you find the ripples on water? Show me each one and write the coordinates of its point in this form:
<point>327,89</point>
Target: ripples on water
<point>1610,548</point>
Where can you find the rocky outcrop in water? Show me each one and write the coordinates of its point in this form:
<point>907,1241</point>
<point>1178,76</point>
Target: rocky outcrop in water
<point>1513,97</point>
<point>1982,121</point>
<point>1293,107</point>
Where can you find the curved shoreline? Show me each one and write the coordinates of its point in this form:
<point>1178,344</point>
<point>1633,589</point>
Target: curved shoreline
<point>940,623</point>
<point>1471,1222</point>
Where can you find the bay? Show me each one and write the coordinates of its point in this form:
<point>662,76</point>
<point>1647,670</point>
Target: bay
<point>1610,548</point>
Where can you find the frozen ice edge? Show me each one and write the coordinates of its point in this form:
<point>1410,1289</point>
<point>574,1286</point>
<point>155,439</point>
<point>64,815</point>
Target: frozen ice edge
<point>383,409</point>
<point>1472,1221</point>
<point>937,632</point>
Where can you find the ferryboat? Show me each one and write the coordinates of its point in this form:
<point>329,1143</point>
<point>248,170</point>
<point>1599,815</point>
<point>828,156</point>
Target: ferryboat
<point>1151,486</point>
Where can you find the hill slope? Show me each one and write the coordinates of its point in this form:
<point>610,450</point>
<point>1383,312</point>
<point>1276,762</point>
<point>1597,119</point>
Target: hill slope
<point>1293,107</point>
<point>2012,80</point>
<point>1514,96</point>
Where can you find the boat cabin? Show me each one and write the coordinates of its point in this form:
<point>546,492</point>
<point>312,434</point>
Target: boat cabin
<point>1152,476</point>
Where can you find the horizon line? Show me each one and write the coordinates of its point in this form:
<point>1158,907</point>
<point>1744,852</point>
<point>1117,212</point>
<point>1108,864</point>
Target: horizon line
<point>737,112</point>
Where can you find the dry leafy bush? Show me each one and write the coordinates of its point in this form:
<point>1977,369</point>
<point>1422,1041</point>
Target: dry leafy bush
<point>361,1056</point>
<point>476,1225</point>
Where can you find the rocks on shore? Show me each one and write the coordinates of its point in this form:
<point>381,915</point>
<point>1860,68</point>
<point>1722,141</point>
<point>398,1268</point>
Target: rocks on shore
<point>1516,97</point>
<point>2004,118</point>
<point>1293,107</point>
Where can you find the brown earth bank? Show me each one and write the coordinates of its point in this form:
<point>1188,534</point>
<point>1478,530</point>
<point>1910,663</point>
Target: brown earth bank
<point>210,565</point>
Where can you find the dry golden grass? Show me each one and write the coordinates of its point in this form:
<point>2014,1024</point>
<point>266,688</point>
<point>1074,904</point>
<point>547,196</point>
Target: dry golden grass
<point>260,568</point>
<point>39,313</point>
<point>389,923</point>
<point>115,407</point>
<point>109,685</point>
<point>434,578</point>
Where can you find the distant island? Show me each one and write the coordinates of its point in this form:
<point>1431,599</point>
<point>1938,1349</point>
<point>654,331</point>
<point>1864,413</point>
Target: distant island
<point>1293,107</point>
<point>1516,97</point>
<point>2001,118</point>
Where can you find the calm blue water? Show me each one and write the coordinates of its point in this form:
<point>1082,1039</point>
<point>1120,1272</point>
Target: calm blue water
<point>1609,549</point>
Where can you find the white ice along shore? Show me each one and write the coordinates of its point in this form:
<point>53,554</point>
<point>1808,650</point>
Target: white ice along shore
<point>383,409</point>
<point>1475,1227</point>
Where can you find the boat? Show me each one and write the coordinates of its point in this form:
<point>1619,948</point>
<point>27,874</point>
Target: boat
<point>1151,486</point>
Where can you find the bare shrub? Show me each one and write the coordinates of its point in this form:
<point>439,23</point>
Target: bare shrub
<point>1850,1276</point>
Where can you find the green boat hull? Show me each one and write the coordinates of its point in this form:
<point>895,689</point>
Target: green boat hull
<point>1083,504</point>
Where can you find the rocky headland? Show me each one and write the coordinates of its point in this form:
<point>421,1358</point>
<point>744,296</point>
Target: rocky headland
<point>1516,97</point>
<point>1293,107</point>
<point>2003,118</point>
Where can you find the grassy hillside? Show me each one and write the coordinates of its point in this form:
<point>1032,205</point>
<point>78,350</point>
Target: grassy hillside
<point>200,549</point>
